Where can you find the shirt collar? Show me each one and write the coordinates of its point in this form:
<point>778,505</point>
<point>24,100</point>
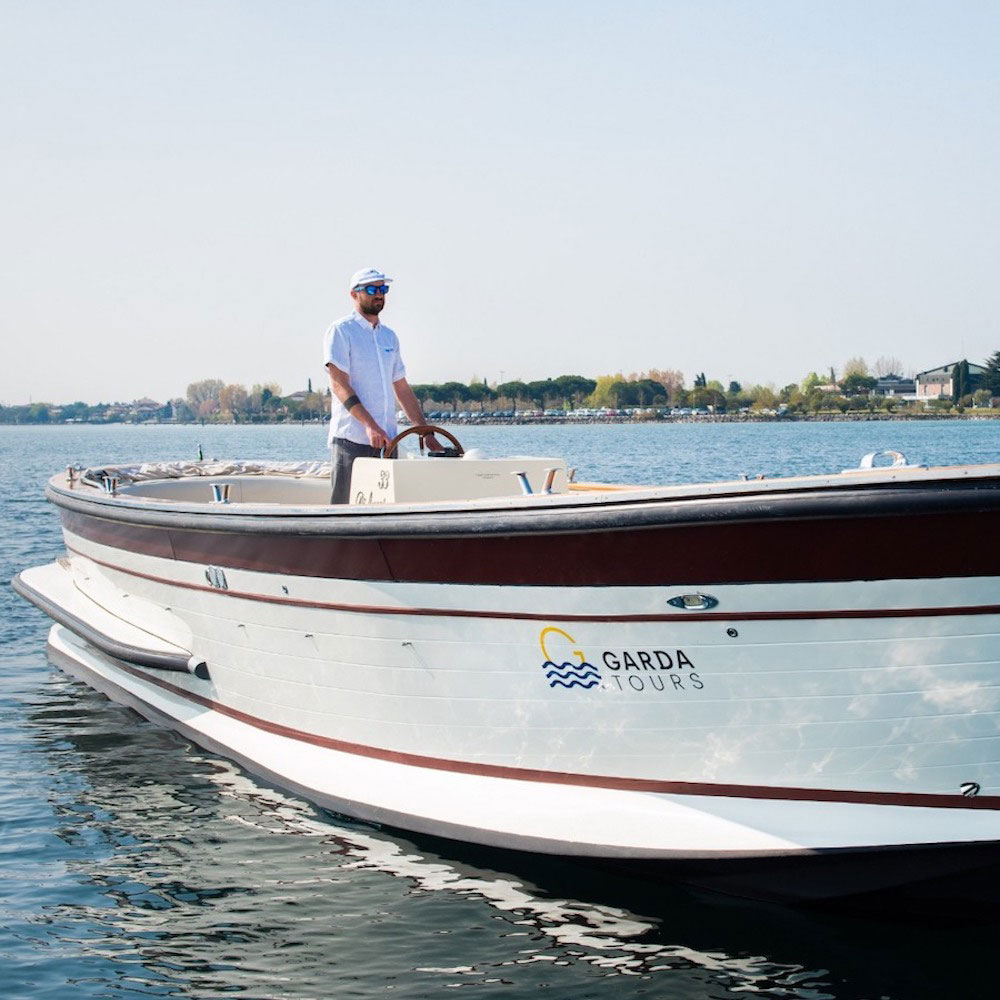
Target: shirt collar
<point>364,320</point>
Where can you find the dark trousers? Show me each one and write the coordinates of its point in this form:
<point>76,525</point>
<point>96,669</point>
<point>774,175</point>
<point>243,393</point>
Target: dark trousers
<point>342,457</point>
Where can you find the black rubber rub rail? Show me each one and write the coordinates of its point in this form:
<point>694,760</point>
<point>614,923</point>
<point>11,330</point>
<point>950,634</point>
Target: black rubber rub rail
<point>178,662</point>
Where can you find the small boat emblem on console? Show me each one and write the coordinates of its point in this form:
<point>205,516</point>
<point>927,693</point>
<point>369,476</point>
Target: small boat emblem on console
<point>216,577</point>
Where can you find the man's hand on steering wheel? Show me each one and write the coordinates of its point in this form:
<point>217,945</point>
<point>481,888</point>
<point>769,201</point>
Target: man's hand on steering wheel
<point>377,437</point>
<point>432,443</point>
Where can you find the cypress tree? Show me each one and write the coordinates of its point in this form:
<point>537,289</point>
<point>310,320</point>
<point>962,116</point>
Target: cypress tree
<point>960,380</point>
<point>991,380</point>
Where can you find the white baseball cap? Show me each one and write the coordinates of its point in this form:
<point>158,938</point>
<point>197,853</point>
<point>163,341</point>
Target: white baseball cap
<point>369,276</point>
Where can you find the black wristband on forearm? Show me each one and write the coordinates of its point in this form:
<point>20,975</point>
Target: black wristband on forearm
<point>351,401</point>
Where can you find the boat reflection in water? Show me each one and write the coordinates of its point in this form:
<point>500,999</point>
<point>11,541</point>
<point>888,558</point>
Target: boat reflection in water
<point>778,687</point>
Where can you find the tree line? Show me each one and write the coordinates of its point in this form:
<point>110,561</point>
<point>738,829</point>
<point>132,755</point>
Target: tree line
<point>213,400</point>
<point>208,400</point>
<point>666,387</point>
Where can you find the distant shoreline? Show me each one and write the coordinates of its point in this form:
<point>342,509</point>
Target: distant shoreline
<point>491,421</point>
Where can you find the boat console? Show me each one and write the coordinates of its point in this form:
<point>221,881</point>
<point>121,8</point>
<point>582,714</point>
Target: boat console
<point>436,476</point>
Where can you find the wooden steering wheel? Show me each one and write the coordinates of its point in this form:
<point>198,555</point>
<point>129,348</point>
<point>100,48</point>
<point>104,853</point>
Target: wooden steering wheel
<point>423,430</point>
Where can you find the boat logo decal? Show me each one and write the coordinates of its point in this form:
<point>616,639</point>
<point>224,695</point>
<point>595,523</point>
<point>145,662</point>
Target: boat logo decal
<point>567,674</point>
<point>216,577</point>
<point>644,671</point>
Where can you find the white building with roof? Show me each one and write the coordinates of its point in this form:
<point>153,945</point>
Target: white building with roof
<point>936,383</point>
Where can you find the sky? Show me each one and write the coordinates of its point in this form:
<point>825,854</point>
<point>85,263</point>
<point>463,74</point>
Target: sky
<point>754,190</point>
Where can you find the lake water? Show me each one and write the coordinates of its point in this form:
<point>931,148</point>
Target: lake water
<point>133,864</point>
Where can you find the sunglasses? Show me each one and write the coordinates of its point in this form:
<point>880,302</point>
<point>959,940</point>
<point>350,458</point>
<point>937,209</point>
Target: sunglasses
<point>372,289</point>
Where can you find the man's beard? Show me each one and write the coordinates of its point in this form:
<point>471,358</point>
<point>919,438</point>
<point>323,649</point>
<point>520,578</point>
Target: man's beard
<point>373,308</point>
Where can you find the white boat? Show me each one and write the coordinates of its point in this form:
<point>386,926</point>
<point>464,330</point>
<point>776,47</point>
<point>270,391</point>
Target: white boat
<point>784,686</point>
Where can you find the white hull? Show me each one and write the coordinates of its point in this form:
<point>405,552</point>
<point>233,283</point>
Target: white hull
<point>886,705</point>
<point>526,815</point>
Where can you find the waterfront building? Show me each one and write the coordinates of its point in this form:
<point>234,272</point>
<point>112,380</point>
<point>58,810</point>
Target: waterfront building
<point>937,383</point>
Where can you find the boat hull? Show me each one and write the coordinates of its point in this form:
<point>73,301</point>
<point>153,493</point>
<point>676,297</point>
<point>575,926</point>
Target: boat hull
<point>545,698</point>
<point>609,825</point>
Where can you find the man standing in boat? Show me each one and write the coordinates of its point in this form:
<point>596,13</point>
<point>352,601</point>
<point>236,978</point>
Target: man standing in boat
<point>367,377</point>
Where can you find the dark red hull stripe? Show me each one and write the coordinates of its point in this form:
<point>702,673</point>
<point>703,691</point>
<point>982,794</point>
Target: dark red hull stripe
<point>770,550</point>
<point>690,617</point>
<point>911,799</point>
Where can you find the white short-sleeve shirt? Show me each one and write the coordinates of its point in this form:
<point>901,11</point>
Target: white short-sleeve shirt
<point>370,356</point>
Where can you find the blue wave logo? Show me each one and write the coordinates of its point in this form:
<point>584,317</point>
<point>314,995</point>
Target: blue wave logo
<point>567,674</point>
<point>572,675</point>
